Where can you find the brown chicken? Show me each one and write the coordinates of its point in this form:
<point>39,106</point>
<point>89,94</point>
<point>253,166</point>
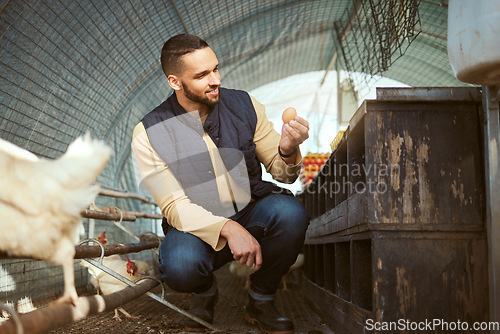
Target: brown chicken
<point>102,238</point>
<point>41,201</point>
<point>132,270</point>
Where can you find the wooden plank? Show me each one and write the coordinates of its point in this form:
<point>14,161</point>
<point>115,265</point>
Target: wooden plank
<point>359,114</point>
<point>329,267</point>
<point>333,221</point>
<point>423,177</point>
<point>378,230</point>
<point>340,184</point>
<point>430,279</point>
<point>357,209</point>
<point>342,270</point>
<point>341,316</point>
<point>361,273</point>
<point>430,94</point>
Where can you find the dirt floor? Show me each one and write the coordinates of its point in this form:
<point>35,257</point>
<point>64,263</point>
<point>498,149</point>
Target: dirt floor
<point>158,318</point>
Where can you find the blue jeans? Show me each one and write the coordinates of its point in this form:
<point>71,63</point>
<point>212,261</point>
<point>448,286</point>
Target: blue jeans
<point>278,222</point>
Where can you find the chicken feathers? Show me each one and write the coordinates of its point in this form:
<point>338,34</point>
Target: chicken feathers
<point>132,270</point>
<point>243,272</point>
<point>41,201</point>
<point>108,284</point>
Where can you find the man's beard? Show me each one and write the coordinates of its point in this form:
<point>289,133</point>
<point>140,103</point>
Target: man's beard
<point>200,99</point>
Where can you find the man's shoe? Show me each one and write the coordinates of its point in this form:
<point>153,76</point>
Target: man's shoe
<point>203,308</point>
<point>265,315</point>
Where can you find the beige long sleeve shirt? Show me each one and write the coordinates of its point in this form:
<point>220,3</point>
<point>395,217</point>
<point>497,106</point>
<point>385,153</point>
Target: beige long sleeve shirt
<point>168,193</point>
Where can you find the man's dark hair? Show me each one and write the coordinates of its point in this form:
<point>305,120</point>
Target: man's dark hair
<point>176,47</point>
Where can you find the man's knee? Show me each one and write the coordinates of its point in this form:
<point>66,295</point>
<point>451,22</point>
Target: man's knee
<point>291,209</point>
<point>185,273</point>
<point>292,216</point>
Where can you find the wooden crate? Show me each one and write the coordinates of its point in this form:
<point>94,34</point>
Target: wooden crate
<point>398,214</point>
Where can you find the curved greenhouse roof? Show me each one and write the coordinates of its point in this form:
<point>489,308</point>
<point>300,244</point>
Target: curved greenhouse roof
<point>72,66</point>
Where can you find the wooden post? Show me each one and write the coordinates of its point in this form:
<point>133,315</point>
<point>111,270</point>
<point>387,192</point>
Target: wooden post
<point>55,316</point>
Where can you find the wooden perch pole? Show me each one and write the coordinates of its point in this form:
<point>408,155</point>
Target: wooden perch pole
<point>120,194</point>
<point>55,316</point>
<point>86,251</point>
<point>142,214</point>
<point>106,216</point>
<point>114,216</point>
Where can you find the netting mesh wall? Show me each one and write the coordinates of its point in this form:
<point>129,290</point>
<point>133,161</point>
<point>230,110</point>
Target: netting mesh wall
<point>71,66</point>
<point>373,34</point>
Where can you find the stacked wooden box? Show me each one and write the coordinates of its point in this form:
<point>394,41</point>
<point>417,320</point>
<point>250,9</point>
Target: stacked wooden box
<point>398,214</point>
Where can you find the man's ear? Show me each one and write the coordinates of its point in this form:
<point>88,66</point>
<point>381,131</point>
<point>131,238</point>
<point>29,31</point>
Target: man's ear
<point>174,82</point>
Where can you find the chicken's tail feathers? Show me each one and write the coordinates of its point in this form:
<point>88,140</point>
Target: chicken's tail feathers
<point>84,160</point>
<point>94,153</point>
<point>78,169</point>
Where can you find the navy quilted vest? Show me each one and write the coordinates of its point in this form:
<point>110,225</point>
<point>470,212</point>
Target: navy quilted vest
<point>177,138</point>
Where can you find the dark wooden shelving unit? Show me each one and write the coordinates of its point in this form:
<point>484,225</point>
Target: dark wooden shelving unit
<point>398,213</point>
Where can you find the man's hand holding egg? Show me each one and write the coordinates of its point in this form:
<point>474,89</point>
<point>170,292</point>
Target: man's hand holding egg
<point>295,130</point>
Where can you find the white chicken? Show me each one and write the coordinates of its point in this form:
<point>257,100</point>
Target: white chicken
<point>242,271</point>
<point>41,201</point>
<point>131,270</point>
<point>299,262</point>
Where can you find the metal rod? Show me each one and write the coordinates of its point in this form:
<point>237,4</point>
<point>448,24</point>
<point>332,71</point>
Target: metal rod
<point>253,17</point>
<point>126,230</point>
<point>133,235</point>
<point>4,7</point>
<point>432,35</point>
<point>440,4</point>
<point>491,105</point>
<point>180,16</point>
<point>15,317</point>
<point>329,67</point>
<point>108,271</point>
<point>162,300</point>
<point>181,311</point>
<point>119,222</point>
<point>342,39</point>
